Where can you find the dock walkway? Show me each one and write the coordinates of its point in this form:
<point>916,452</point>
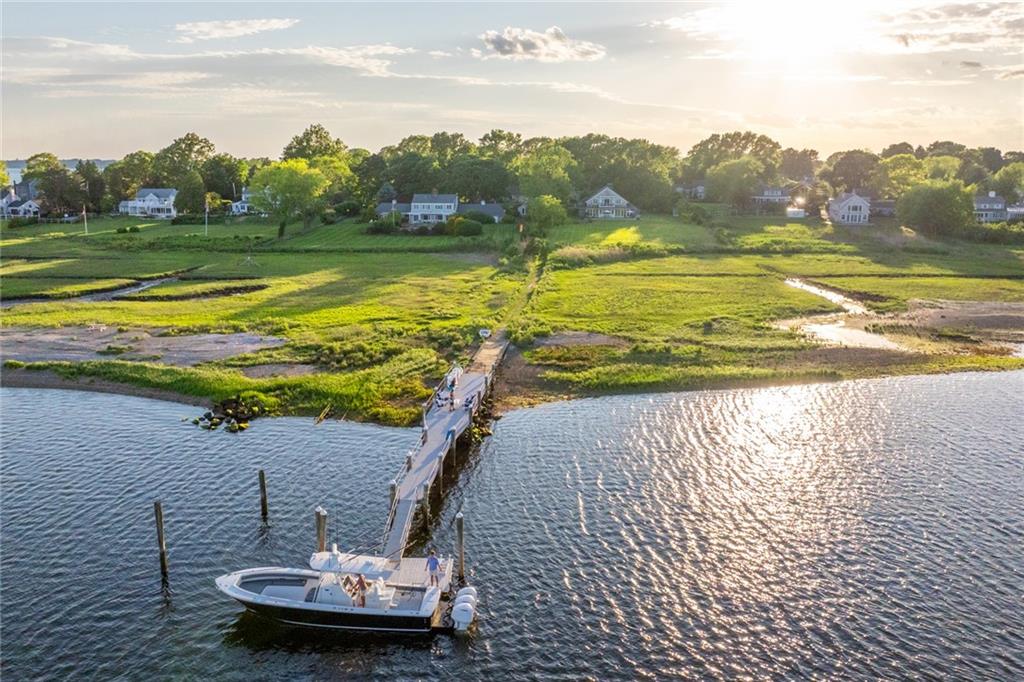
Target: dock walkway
<point>442,426</point>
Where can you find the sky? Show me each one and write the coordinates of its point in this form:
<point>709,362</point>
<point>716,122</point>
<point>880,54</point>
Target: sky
<point>104,79</point>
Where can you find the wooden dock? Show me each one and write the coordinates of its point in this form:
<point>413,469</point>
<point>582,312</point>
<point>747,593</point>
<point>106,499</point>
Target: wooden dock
<point>442,426</point>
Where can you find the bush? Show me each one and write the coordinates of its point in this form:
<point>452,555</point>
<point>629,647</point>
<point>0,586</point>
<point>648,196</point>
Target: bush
<point>381,227</point>
<point>131,229</point>
<point>995,233</point>
<point>463,227</point>
<point>478,216</point>
<point>693,213</point>
<point>328,216</point>
<point>22,222</point>
<point>347,208</point>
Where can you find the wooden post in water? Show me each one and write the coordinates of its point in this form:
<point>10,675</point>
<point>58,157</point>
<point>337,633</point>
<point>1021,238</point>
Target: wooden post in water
<point>321,529</point>
<point>408,462</point>
<point>425,500</point>
<point>461,544</point>
<point>158,511</point>
<point>393,491</point>
<point>263,495</point>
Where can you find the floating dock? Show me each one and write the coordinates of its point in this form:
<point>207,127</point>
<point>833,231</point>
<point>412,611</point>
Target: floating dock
<point>445,418</point>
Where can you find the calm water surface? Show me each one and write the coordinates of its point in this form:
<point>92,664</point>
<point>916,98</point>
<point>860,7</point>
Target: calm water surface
<point>856,530</point>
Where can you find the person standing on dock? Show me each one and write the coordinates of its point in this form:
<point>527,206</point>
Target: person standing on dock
<point>433,567</point>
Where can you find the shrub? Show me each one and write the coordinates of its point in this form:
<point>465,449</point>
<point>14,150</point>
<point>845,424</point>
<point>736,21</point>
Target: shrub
<point>463,227</point>
<point>478,216</point>
<point>131,229</point>
<point>22,222</point>
<point>198,219</point>
<point>381,227</point>
<point>328,216</point>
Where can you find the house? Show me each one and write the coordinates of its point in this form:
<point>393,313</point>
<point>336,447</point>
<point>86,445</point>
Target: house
<point>769,194</point>
<point>5,201</point>
<point>990,208</point>
<point>883,207</point>
<point>795,212</point>
<point>849,208</point>
<point>693,190</point>
<point>242,206</point>
<point>607,203</point>
<point>428,209</point>
<point>23,208</point>
<point>1015,211</point>
<point>150,202</point>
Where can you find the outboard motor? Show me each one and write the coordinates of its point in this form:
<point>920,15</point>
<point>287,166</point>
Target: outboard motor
<point>464,610</point>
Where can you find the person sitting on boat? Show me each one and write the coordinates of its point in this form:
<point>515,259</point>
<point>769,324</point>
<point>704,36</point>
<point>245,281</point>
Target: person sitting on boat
<point>433,567</point>
<point>361,590</point>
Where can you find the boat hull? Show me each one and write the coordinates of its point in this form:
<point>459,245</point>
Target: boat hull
<point>333,620</point>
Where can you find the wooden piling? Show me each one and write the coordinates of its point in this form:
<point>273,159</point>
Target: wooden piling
<point>263,495</point>
<point>461,544</point>
<point>392,491</point>
<point>158,512</point>
<point>321,529</point>
<point>408,462</point>
<point>425,500</point>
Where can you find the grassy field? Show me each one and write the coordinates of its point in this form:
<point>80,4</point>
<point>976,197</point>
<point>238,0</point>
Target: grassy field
<point>376,317</point>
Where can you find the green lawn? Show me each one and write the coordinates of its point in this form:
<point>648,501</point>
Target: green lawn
<point>378,315</point>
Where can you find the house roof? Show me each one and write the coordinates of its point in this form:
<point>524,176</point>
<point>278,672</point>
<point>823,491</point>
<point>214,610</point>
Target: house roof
<point>386,207</point>
<point>609,188</point>
<point>492,209</point>
<point>435,199</point>
<point>762,188</point>
<point>158,192</point>
<point>978,198</point>
<point>884,203</point>
<point>846,196</point>
<point>21,202</point>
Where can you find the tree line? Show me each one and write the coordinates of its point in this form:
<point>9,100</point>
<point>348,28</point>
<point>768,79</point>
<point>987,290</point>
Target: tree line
<point>317,169</point>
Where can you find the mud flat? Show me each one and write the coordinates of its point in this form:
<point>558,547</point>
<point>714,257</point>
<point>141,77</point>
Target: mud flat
<point>99,342</point>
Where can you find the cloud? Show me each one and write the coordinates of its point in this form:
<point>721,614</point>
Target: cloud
<point>975,26</point>
<point>232,28</point>
<point>1005,73</point>
<point>970,65</point>
<point>550,46</point>
<point>931,82</point>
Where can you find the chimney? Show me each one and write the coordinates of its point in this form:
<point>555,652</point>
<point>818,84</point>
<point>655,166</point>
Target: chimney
<point>992,194</point>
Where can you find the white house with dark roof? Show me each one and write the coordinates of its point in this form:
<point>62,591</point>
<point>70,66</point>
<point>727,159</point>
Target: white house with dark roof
<point>150,202</point>
<point>769,194</point>
<point>692,190</point>
<point>243,205</point>
<point>8,198</point>
<point>428,209</point>
<point>990,208</point>
<point>849,208</point>
<point>606,203</point>
<point>23,208</point>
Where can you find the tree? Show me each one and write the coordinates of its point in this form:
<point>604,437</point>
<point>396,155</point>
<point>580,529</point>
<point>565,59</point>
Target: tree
<point>178,159</point>
<point>413,172</point>
<point>124,178</point>
<point>945,148</point>
<point>941,167</point>
<point>312,142</point>
<point>850,170</point>
<point>191,196</point>
<point>287,190</point>
<point>898,148</point>
<point>447,146</point>
<point>734,181</point>
<point>89,177</point>
<point>991,158</point>
<point>501,145</point>
<point>896,174</point>
<point>341,181</point>
<point>797,165</point>
<point>1009,182</point>
<point>936,207</point>
<point>385,193</point>
<point>474,178</point>
<point>39,165</point>
<point>5,178</point>
<point>720,147</point>
<point>545,171</point>
<point>225,175</point>
<point>61,190</point>
<point>545,212</point>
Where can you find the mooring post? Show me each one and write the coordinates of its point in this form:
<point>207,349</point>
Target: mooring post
<point>408,462</point>
<point>263,494</point>
<point>451,435</point>
<point>321,529</point>
<point>158,511</point>
<point>393,491</point>
<point>425,500</point>
<point>460,535</point>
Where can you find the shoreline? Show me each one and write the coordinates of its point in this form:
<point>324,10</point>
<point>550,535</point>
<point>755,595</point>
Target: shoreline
<point>504,400</point>
<point>44,378</point>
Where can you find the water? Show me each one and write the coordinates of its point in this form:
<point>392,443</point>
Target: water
<point>858,530</point>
